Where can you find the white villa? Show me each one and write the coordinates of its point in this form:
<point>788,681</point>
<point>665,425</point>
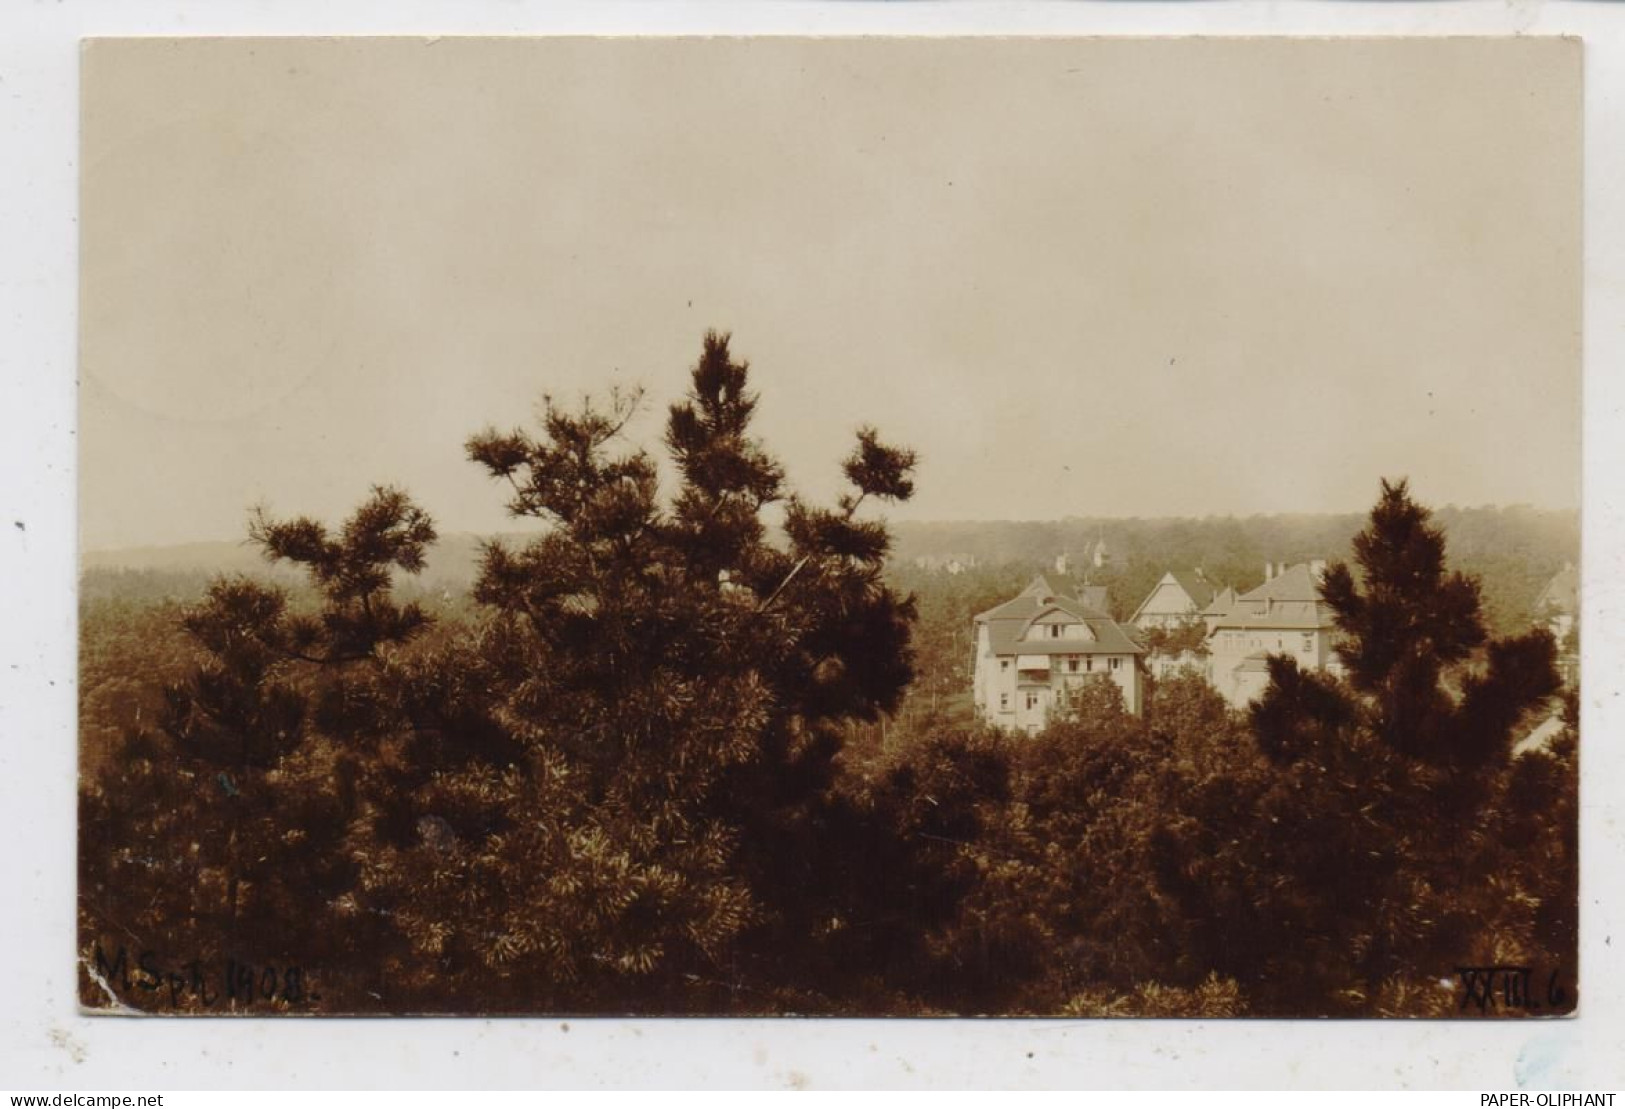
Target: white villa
<point>1284,616</point>
<point>1030,651</point>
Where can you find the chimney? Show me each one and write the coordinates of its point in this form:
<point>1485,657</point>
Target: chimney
<point>1269,570</point>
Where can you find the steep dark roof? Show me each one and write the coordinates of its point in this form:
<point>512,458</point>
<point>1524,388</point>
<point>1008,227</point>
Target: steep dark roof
<point>1095,597</point>
<point>1196,587</point>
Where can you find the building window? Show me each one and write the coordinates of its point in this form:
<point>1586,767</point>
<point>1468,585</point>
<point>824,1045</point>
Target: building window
<point>1308,643</point>
<point>1004,702</point>
<point>1072,665</point>
<point>1004,664</point>
<point>1032,701</point>
<point>1089,663</point>
<point>1055,631</point>
<point>1116,662</point>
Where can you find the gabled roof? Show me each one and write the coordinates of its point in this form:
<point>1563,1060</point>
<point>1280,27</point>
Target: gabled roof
<point>1290,601</point>
<point>1287,618</point>
<point>1222,602</point>
<point>1008,623</point>
<point>1296,583</point>
<point>1197,589</point>
<point>1064,611</point>
<point>1005,638</point>
<point>1040,587</point>
<point>1039,593</point>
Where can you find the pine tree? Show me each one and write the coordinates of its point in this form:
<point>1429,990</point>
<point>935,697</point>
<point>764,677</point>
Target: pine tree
<point>1375,845</point>
<point>223,832</point>
<point>1408,623</point>
<point>689,675</point>
<point>603,794</point>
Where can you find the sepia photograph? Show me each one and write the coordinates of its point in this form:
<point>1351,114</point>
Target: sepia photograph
<point>848,527</point>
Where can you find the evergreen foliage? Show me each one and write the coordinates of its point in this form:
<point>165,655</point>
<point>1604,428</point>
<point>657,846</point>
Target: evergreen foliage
<point>1373,854</point>
<point>661,762</point>
<point>612,792</point>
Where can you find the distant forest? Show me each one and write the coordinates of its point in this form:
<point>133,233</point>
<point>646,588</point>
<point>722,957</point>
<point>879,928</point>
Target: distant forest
<point>1514,551</point>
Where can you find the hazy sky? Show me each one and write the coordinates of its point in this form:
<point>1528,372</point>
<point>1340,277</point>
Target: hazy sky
<point>1085,277</point>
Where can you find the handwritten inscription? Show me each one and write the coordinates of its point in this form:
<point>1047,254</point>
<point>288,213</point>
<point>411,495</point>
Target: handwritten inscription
<point>200,985</point>
<point>1509,988</point>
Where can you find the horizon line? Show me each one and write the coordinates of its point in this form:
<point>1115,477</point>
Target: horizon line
<point>84,550</point>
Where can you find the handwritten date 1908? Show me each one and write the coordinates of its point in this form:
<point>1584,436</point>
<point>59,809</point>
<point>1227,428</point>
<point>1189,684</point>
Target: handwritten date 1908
<point>198,985</point>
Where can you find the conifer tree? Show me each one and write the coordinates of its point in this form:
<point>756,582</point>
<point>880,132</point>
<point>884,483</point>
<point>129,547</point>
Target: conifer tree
<point>1408,623</point>
<point>1369,853</point>
<point>689,674</point>
<point>600,795</point>
<point>225,828</point>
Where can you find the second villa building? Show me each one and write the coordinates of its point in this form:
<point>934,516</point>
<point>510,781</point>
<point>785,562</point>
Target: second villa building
<point>1284,616</point>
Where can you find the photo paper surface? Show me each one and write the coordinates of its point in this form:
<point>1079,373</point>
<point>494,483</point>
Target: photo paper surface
<point>854,527</point>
